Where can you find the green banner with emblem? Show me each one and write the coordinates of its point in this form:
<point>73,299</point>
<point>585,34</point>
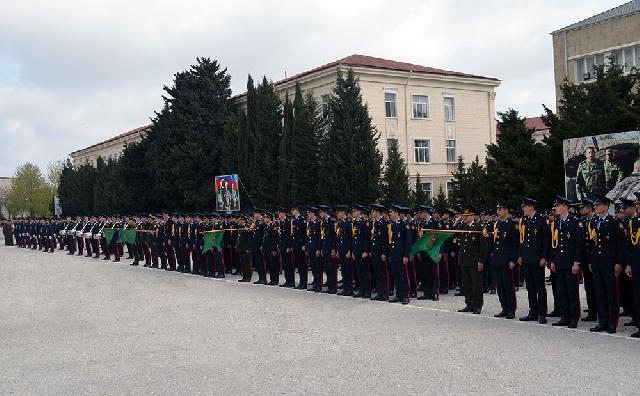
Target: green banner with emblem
<point>108,233</point>
<point>431,242</point>
<point>128,236</point>
<point>212,240</point>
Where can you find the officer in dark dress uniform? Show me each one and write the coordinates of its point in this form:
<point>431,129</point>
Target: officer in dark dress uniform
<point>284,227</point>
<point>343,249</point>
<point>632,268</point>
<point>606,257</point>
<point>257,229</point>
<point>504,235</point>
<point>533,257</point>
<point>313,248</point>
<point>428,267</point>
<point>243,250</point>
<point>567,252</point>
<point>270,248</point>
<point>298,237</point>
<point>586,211</point>
<point>361,246</point>
<point>399,250</point>
<point>379,250</point>
<point>328,249</point>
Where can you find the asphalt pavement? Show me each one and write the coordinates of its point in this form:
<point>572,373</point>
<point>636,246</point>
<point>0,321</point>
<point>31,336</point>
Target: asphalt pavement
<point>75,325</point>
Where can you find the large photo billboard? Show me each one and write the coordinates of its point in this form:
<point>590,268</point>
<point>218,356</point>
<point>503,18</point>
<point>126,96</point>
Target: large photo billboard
<point>227,193</point>
<point>602,164</point>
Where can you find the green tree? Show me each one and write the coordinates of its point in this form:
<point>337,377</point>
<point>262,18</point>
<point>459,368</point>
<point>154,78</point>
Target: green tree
<point>54,171</point>
<point>29,193</point>
<point>284,156</point>
<point>420,196</point>
<point>184,151</point>
<point>307,127</point>
<point>441,198</point>
<point>514,163</point>
<point>395,181</point>
<point>468,184</point>
<point>350,164</point>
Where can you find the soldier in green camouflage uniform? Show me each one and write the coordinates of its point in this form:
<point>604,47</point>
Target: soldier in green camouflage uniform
<point>591,176</point>
<point>612,172</point>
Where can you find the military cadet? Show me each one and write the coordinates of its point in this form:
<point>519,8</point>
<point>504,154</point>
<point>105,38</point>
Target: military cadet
<point>504,236</point>
<point>428,267</point>
<point>567,252</point>
<point>632,268</point>
<point>625,284</point>
<point>378,253</point>
<point>473,250</point>
<point>270,248</point>
<point>606,258</point>
<point>586,211</point>
<point>361,246</point>
<point>533,257</point>
<point>257,229</point>
<point>328,248</point>
<point>399,250</point>
<point>298,238</point>
<point>284,228</point>
<point>243,250</point>
<point>343,249</point>
<point>313,247</point>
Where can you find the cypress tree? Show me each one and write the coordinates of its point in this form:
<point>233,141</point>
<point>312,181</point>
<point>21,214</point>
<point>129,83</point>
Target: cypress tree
<point>284,155</point>
<point>396,179</point>
<point>419,194</point>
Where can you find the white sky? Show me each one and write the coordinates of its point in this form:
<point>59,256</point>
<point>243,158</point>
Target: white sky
<point>75,72</point>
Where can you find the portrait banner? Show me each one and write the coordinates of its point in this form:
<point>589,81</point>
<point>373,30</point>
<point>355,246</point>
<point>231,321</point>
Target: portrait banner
<point>227,193</point>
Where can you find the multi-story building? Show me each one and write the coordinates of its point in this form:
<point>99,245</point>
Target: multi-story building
<point>432,115</point>
<point>110,148</point>
<point>580,46</point>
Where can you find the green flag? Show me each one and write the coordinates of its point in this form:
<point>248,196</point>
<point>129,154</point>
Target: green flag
<point>127,236</point>
<point>212,239</point>
<point>431,242</point>
<point>108,234</point>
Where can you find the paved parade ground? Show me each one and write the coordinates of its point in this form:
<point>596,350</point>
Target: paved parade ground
<point>75,325</point>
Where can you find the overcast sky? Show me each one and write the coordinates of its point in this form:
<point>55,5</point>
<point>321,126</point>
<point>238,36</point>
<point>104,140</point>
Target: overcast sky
<point>75,72</point>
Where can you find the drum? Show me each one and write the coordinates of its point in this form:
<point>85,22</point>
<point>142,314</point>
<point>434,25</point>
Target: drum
<point>97,236</point>
<point>79,234</point>
<point>62,232</point>
<point>88,235</point>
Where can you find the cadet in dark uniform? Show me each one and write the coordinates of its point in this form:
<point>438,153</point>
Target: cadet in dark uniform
<point>243,250</point>
<point>379,246</point>
<point>312,248</point>
<point>284,227</point>
<point>343,250</point>
<point>625,284</point>
<point>270,248</point>
<point>606,255</point>
<point>399,252</point>
<point>328,250</point>
<point>298,237</point>
<point>428,267</point>
<point>257,229</point>
<point>505,254</point>
<point>533,257</point>
<point>567,252</point>
<point>361,245</point>
<point>473,250</point>
<point>586,210</point>
<point>632,268</point>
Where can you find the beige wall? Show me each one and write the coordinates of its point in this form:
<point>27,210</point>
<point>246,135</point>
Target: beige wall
<point>473,129</point>
<point>5,185</point>
<point>112,149</point>
<point>591,39</point>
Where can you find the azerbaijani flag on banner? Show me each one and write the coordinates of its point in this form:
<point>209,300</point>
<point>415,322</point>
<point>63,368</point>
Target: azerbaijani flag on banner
<point>108,234</point>
<point>128,236</point>
<point>212,240</point>
<point>431,242</point>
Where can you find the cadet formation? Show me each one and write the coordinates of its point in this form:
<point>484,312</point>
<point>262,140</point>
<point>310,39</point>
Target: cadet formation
<point>490,251</point>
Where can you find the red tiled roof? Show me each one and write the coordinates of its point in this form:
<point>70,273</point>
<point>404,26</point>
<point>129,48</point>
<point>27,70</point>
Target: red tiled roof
<point>379,63</point>
<point>125,134</point>
<point>535,123</point>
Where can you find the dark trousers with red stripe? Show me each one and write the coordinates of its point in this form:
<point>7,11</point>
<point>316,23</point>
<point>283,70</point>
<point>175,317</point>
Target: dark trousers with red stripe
<point>400,279</point>
<point>380,272</point>
<point>567,295</point>
<point>428,274</point>
<point>362,271</point>
<point>604,282</point>
<point>636,296</point>
<point>346,268</point>
<point>504,279</point>
<point>536,288</point>
<point>287,266</point>
<point>301,264</point>
<point>589,290</point>
<point>331,271</point>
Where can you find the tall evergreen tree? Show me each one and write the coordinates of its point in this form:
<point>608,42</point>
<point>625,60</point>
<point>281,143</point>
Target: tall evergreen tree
<point>284,155</point>
<point>395,184</point>
<point>307,126</point>
<point>468,184</point>
<point>441,198</point>
<point>184,152</point>
<point>514,162</point>
<point>350,161</point>
<point>420,196</point>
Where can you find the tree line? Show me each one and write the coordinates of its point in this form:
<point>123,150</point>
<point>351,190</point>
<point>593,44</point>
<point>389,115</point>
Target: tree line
<point>295,150</point>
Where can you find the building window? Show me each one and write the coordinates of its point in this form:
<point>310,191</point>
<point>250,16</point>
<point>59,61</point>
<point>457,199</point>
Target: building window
<point>390,104</point>
<point>450,187</point>
<point>451,151</point>
<point>422,151</point>
<point>426,188</point>
<point>324,102</point>
<point>627,58</point>
<point>449,109</point>
<point>420,106</point>
<point>392,143</point>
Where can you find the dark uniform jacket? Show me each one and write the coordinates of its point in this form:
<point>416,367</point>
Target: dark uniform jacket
<point>343,236</point>
<point>607,242</point>
<point>534,237</point>
<point>633,245</point>
<point>312,241</point>
<point>567,242</point>
<point>504,235</point>
<point>328,235</point>
<point>360,236</point>
<point>473,246</point>
<point>379,237</point>
<point>399,241</point>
